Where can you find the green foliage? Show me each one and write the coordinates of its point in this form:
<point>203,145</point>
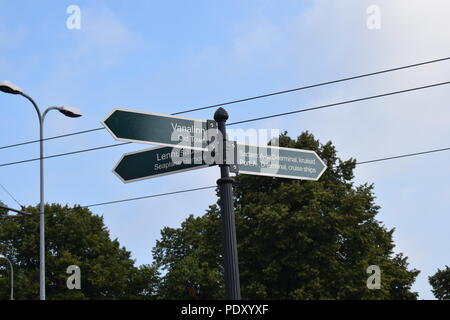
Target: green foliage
<point>73,237</point>
<point>194,265</point>
<point>440,282</point>
<point>296,240</point>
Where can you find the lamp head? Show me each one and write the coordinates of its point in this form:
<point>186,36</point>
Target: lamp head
<point>70,112</point>
<point>9,87</point>
<point>2,256</point>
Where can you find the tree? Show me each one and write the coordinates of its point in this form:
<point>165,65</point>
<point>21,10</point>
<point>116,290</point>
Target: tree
<point>74,236</point>
<point>296,240</point>
<point>440,282</point>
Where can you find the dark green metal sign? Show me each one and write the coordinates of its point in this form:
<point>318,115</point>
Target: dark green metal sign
<point>156,162</point>
<point>279,162</point>
<point>179,134</point>
<point>255,160</point>
<point>154,128</point>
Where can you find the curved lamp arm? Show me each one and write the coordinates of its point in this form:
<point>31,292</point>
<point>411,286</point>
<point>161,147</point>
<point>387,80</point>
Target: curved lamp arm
<point>41,118</point>
<point>47,111</point>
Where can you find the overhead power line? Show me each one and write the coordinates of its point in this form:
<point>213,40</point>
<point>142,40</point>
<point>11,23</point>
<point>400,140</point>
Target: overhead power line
<point>252,98</point>
<point>210,187</point>
<point>50,138</point>
<point>341,103</point>
<point>64,154</point>
<point>10,195</point>
<point>403,156</point>
<point>149,196</point>
<point>245,121</point>
<point>315,85</point>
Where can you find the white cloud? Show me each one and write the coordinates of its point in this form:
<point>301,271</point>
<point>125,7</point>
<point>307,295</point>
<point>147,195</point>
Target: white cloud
<point>331,40</point>
<point>103,42</point>
<point>324,42</point>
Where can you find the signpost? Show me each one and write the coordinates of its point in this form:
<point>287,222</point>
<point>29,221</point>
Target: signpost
<point>177,135</point>
<point>155,128</point>
<point>225,183</point>
<point>156,162</point>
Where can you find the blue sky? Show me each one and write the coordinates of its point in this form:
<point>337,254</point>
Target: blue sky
<point>168,56</point>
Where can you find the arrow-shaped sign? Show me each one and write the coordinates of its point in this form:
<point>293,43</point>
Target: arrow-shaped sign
<point>180,134</point>
<point>254,160</point>
<point>156,162</point>
<point>279,162</point>
<point>155,128</point>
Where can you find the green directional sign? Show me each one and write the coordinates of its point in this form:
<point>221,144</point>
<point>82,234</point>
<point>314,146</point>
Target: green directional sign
<point>156,162</point>
<point>160,129</point>
<point>255,160</point>
<point>279,162</point>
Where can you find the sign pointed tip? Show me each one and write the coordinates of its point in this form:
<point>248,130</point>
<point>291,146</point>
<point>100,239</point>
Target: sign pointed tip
<point>108,118</point>
<point>324,165</point>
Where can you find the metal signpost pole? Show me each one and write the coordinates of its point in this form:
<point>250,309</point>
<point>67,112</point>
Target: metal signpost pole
<point>225,183</point>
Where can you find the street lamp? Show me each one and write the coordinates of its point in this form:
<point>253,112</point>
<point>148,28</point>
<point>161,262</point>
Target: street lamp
<point>11,88</point>
<point>11,274</point>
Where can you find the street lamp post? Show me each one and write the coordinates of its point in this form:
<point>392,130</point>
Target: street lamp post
<point>8,87</point>
<point>11,274</point>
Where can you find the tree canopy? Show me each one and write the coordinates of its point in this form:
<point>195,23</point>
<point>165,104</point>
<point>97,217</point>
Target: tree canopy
<point>74,236</point>
<point>440,282</point>
<point>296,240</point>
